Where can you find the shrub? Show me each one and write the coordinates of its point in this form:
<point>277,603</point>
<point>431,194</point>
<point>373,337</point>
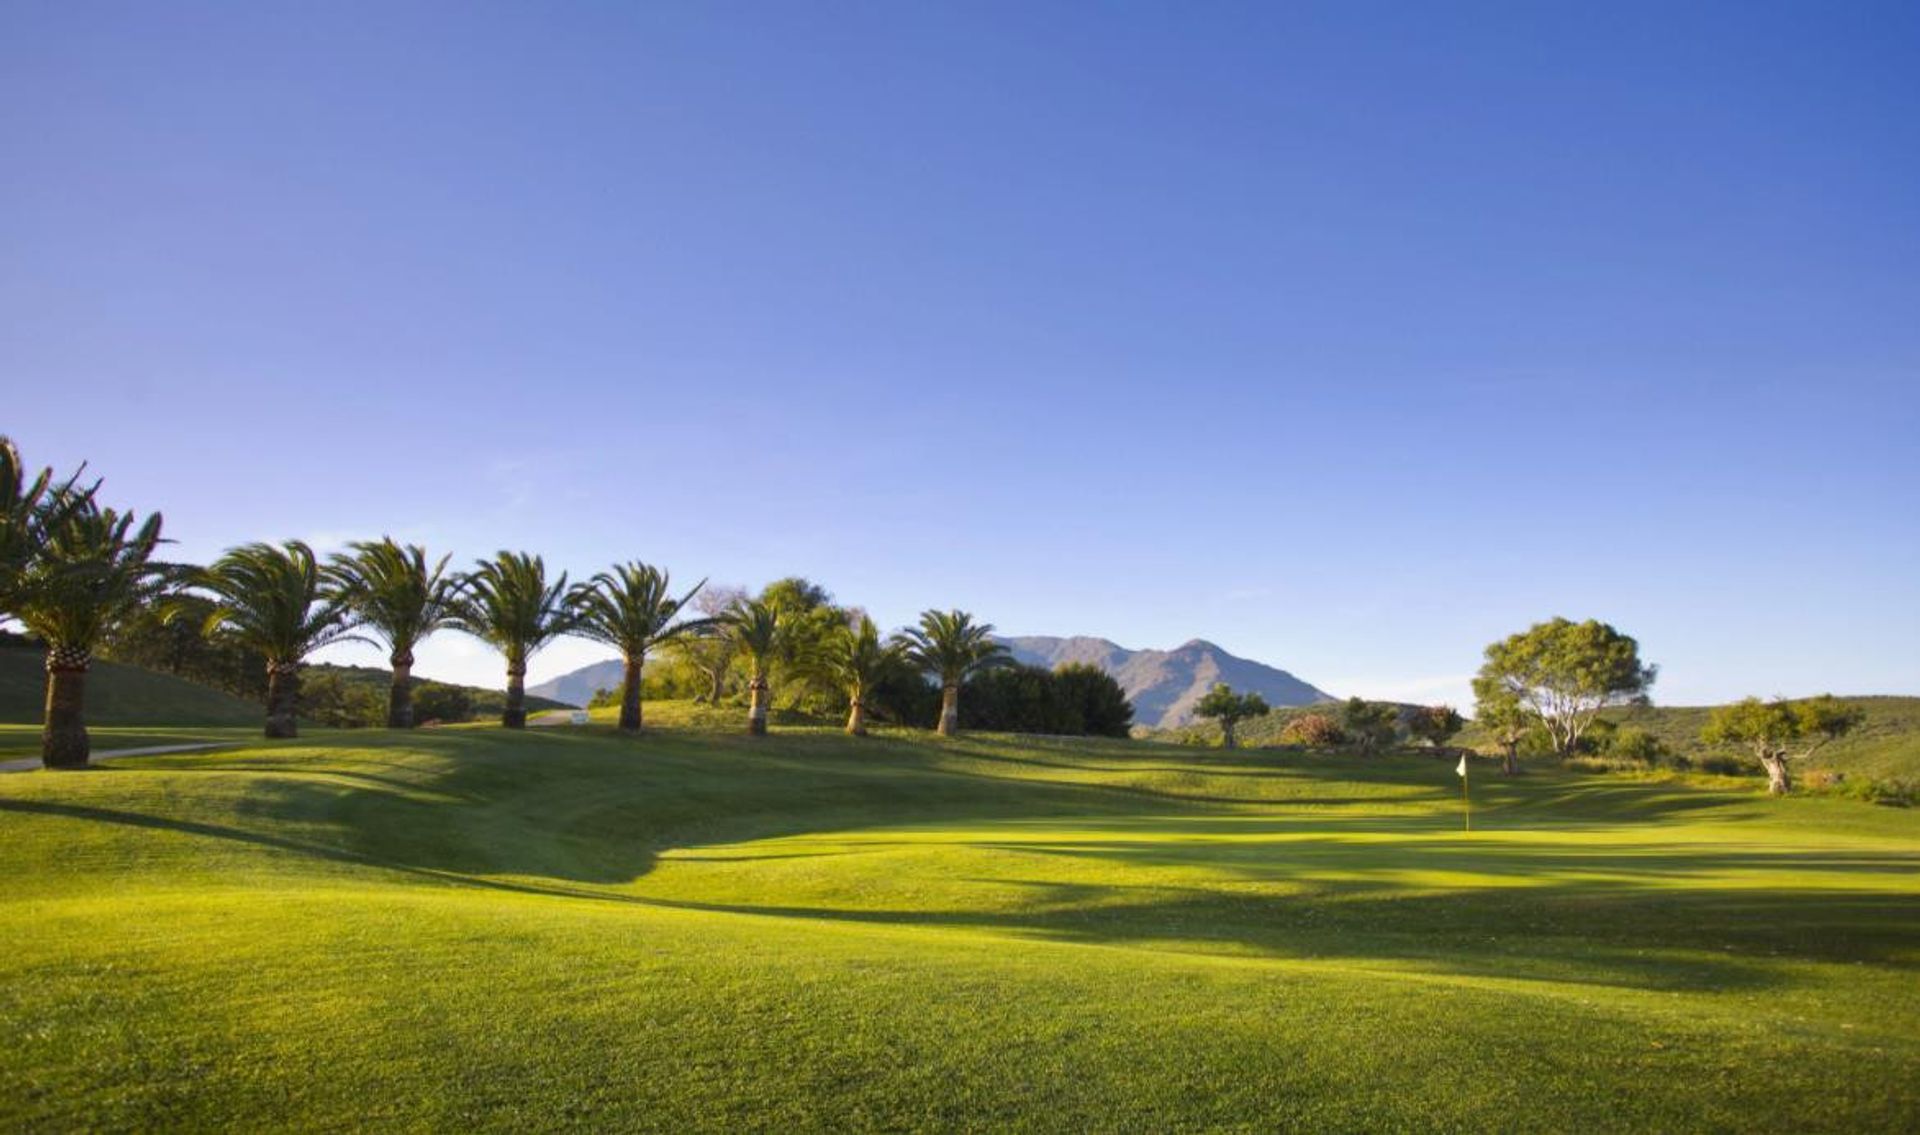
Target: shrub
<point>1317,729</point>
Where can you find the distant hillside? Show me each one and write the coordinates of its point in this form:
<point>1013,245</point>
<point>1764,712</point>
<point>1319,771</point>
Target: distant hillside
<point>118,695</point>
<point>1164,685</point>
<point>486,702</point>
<point>1887,744</point>
<point>577,687</point>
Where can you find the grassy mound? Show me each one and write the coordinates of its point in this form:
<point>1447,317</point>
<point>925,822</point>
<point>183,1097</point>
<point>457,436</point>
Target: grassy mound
<point>119,695</point>
<point>567,929</point>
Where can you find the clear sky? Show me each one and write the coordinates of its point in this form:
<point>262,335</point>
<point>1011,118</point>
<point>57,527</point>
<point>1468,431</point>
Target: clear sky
<point>1349,336</point>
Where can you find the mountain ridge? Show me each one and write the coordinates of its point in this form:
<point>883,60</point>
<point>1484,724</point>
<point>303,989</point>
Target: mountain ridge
<point>1165,685</point>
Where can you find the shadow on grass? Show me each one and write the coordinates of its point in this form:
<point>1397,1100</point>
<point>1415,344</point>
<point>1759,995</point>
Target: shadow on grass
<point>565,814</point>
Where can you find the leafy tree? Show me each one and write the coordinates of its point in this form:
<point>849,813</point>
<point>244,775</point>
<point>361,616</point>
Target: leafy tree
<point>1318,730</point>
<point>509,604</point>
<point>1632,743</point>
<point>167,637</point>
<point>1013,698</point>
<point>632,609</point>
<point>1435,724</point>
<point>1564,673</point>
<point>392,591</point>
<point>810,620</point>
<point>1780,731</point>
<point>271,599</point>
<point>951,646</point>
<point>331,699</point>
<point>1230,709</point>
<point>438,701</point>
<point>93,566</point>
<point>859,661</point>
<point>759,634</point>
<point>1369,725</point>
<point>1098,705</point>
<point>711,650</point>
<point>1500,713</point>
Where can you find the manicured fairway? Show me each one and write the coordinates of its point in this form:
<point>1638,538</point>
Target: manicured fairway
<point>563,929</point>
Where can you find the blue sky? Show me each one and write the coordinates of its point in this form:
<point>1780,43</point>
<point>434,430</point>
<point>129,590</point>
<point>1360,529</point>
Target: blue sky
<point>1349,336</point>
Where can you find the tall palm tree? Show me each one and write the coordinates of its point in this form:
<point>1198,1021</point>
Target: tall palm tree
<point>273,599</point>
<point>95,566</point>
<point>28,509</point>
<point>392,591</point>
<point>759,629</point>
<point>856,659</point>
<point>632,610</point>
<point>509,604</point>
<point>953,646</point>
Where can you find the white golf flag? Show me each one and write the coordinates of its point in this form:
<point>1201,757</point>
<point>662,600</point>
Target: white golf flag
<point>1462,770</point>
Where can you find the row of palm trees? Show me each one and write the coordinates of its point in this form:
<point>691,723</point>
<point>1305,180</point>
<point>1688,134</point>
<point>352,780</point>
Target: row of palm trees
<point>71,569</point>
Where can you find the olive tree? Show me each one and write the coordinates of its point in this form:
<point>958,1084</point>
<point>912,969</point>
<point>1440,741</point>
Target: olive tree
<point>1230,709</point>
<point>1563,673</point>
<point>1780,731</point>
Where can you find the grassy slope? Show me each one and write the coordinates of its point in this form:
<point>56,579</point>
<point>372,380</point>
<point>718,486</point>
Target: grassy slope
<point>1887,745</point>
<point>464,928</point>
<point>119,695</point>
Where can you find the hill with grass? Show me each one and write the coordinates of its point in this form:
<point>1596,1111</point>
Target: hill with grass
<point>1164,685</point>
<point>577,687</point>
<point>566,929</point>
<point>118,695</point>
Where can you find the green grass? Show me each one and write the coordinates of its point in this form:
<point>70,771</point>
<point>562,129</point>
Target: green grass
<point>119,695</point>
<point>463,928</point>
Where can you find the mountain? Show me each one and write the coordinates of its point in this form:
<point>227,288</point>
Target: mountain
<point>577,687</point>
<point>1165,684</point>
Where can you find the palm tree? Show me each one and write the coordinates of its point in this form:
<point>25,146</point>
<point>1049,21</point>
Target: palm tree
<point>28,509</point>
<point>509,604</point>
<point>94,567</point>
<point>953,646</point>
<point>759,629</point>
<point>857,660</point>
<point>274,600</point>
<point>631,609</point>
<point>392,591</point>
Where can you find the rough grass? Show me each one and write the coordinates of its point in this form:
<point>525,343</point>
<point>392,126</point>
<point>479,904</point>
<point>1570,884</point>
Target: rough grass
<point>464,928</point>
<point>119,695</point>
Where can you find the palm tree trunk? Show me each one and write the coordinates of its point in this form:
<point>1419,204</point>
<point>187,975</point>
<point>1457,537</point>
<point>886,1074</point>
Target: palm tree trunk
<point>283,699</point>
<point>514,716</point>
<point>630,694</point>
<point>857,718</point>
<point>400,694</point>
<point>757,693</point>
<point>950,709</point>
<point>63,737</point>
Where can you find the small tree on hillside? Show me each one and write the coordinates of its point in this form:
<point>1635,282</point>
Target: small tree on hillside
<point>1230,709</point>
<point>1370,725</point>
<point>1565,673</point>
<point>711,650</point>
<point>1504,719</point>
<point>1435,724</point>
<point>1780,731</point>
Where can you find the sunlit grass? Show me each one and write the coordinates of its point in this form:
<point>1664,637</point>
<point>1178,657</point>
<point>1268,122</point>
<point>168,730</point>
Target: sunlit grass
<point>463,927</point>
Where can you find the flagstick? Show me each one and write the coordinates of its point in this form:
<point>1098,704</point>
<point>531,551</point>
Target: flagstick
<point>1466,804</point>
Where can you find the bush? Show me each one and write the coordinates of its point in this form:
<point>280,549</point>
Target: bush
<point>1634,744</point>
<point>437,701</point>
<point>1315,729</point>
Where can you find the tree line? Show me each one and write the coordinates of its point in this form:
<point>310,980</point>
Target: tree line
<point>73,569</point>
